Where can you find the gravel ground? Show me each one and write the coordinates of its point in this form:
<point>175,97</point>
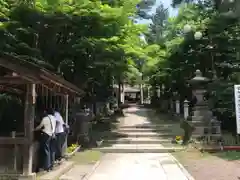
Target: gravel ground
<point>204,166</point>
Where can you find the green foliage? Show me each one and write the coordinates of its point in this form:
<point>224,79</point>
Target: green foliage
<point>91,43</point>
<point>157,27</point>
<point>216,52</point>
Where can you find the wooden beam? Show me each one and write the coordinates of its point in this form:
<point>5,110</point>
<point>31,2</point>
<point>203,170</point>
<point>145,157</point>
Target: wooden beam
<point>10,140</point>
<point>10,89</point>
<point>65,85</point>
<point>13,80</point>
<point>54,88</point>
<point>20,67</point>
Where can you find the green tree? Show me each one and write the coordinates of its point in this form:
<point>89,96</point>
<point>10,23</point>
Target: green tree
<point>217,52</point>
<point>157,27</point>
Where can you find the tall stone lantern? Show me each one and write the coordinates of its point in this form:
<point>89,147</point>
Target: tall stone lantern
<point>202,116</point>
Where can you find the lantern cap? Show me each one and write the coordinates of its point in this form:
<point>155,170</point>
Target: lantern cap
<point>198,78</point>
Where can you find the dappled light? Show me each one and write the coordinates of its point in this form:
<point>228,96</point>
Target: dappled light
<point>132,83</point>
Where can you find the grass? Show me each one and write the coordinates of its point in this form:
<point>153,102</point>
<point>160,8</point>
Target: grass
<point>190,154</point>
<point>228,155</point>
<point>87,157</point>
<point>194,154</point>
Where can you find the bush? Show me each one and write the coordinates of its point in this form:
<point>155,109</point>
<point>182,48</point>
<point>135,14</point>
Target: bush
<point>71,148</point>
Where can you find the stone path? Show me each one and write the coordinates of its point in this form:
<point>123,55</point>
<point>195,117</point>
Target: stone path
<point>145,161</point>
<point>139,135</point>
<point>78,172</point>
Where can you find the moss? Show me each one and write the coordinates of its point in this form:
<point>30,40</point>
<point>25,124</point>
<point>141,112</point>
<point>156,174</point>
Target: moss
<point>87,157</point>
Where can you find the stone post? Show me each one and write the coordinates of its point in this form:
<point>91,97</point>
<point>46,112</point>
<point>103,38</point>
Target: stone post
<point>122,94</point>
<point>177,107</point>
<point>148,94</point>
<point>172,105</point>
<point>158,92</point>
<point>141,93</point>
<point>186,109</point>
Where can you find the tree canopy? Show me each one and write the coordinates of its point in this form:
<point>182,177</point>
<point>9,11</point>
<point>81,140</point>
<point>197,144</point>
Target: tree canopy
<point>91,43</point>
<point>216,54</point>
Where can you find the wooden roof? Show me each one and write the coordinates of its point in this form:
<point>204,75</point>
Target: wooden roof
<point>31,72</point>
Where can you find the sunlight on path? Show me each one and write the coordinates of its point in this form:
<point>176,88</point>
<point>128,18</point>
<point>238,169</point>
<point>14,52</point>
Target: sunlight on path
<point>137,166</point>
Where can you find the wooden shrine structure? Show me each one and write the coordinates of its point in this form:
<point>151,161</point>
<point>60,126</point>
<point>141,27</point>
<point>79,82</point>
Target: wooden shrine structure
<point>23,77</point>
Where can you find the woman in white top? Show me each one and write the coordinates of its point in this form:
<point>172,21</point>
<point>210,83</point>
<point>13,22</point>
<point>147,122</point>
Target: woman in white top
<point>47,128</point>
<point>60,135</point>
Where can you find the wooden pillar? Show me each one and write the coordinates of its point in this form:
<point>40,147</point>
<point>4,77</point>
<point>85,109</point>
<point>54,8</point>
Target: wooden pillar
<point>64,148</point>
<point>66,108</point>
<point>29,115</point>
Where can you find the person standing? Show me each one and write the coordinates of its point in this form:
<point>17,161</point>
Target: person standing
<point>60,135</point>
<point>47,128</point>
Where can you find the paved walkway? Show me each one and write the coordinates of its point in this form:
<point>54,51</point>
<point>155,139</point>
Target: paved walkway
<point>138,166</point>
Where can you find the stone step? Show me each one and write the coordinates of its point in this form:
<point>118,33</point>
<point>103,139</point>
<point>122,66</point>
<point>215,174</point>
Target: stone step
<point>56,173</point>
<point>134,146</point>
<point>148,126</point>
<point>165,136</point>
<point>137,141</point>
<point>125,130</point>
<point>140,150</point>
<point>144,134</point>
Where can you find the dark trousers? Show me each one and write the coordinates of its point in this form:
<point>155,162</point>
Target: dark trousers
<point>53,142</point>
<point>44,151</point>
<point>60,139</point>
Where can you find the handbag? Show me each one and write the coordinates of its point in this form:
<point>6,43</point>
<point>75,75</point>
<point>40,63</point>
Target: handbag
<point>66,128</point>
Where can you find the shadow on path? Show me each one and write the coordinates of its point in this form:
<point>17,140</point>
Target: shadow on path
<point>165,124</point>
<point>104,132</point>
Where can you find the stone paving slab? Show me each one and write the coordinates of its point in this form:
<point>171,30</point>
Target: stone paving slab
<point>138,167</point>
<point>56,173</point>
<point>78,172</point>
<point>147,150</point>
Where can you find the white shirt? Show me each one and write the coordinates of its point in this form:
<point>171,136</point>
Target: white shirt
<point>60,123</point>
<point>48,124</point>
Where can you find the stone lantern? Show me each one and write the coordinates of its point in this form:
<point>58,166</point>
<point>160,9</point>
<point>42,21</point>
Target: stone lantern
<point>202,116</point>
<point>201,112</point>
